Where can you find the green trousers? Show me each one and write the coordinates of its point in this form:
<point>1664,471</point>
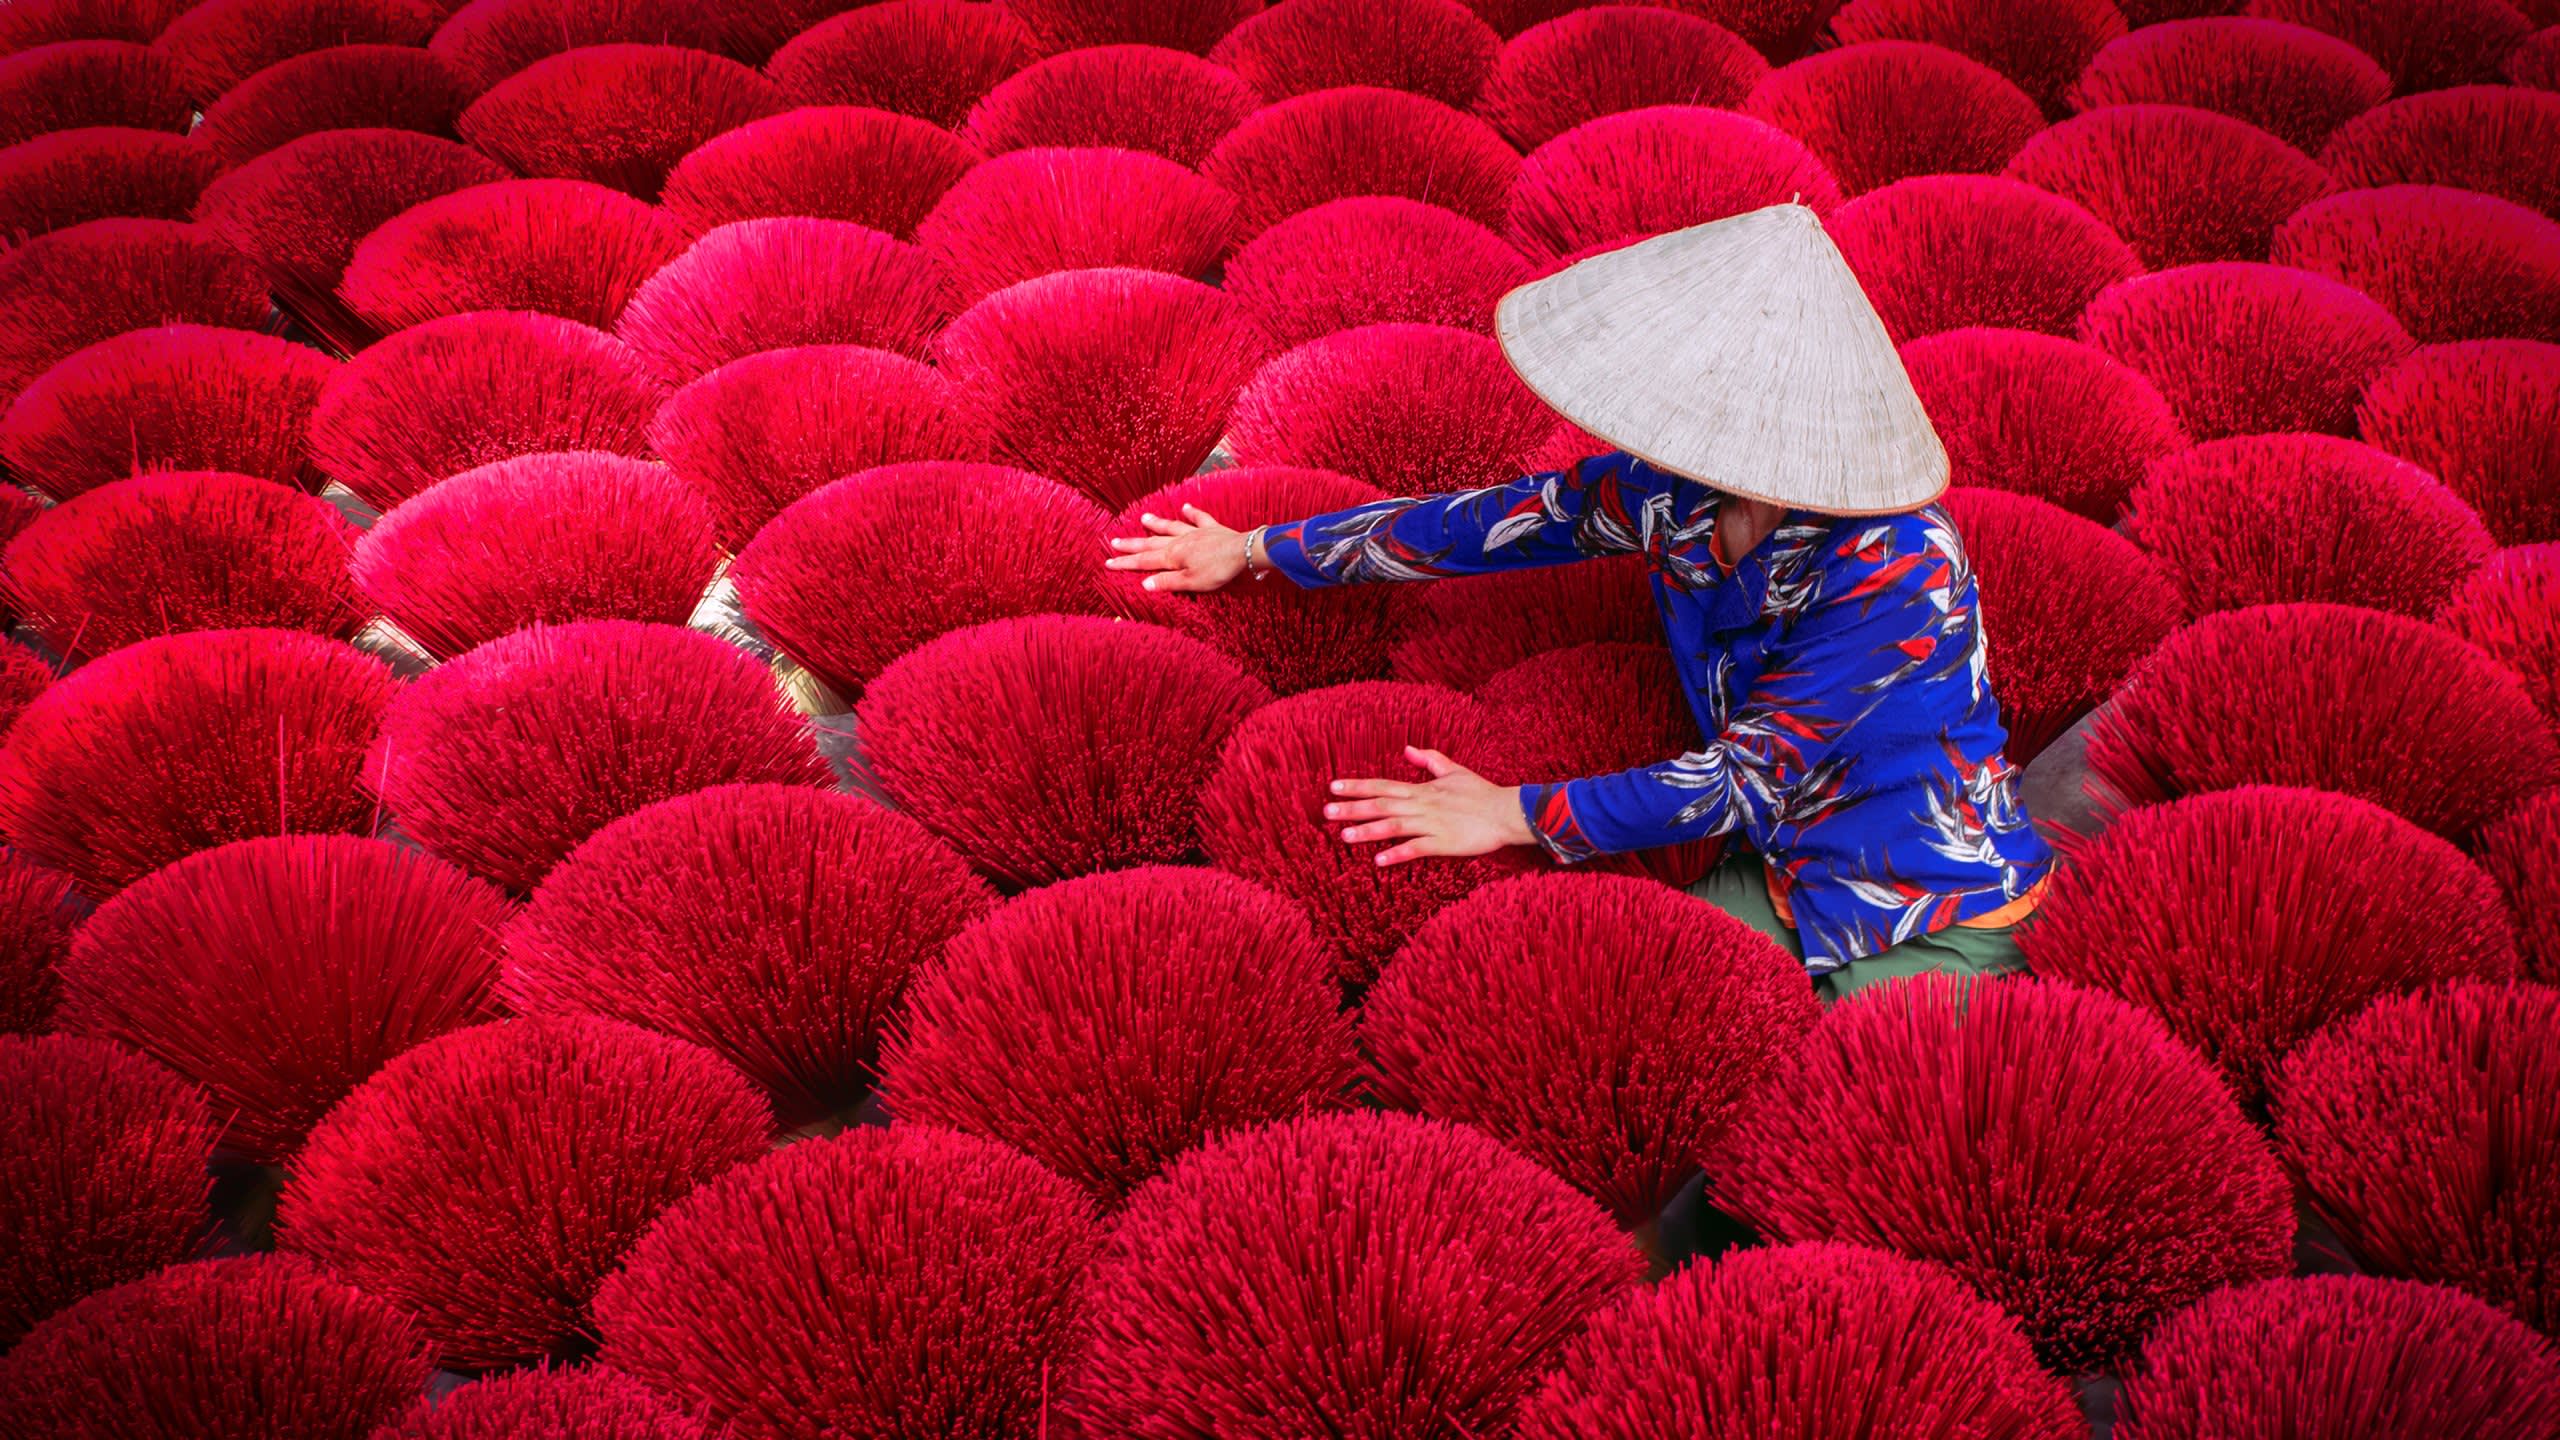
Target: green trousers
<point>1740,888</point>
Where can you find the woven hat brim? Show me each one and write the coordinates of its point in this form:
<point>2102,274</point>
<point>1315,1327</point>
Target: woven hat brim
<point>1741,354</point>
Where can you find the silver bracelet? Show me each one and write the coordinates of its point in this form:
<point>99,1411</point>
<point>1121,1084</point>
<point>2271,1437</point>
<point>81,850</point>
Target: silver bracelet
<point>1254,543</point>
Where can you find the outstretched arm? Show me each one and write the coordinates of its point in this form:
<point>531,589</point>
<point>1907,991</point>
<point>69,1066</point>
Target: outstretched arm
<point>1594,508</point>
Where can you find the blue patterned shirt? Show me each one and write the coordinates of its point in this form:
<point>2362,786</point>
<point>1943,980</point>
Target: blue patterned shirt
<point>1838,667</point>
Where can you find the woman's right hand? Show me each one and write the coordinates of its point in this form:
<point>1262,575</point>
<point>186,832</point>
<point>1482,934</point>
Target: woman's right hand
<point>1193,553</point>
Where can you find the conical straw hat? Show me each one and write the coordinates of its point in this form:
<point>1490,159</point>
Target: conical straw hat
<point>1740,353</point>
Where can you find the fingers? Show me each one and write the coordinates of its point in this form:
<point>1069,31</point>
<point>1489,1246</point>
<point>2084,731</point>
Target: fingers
<point>1440,766</point>
<point>1417,848</point>
<point>1175,578</point>
<point>1374,789</point>
<point>1371,809</point>
<point>1198,516</point>
<point>1380,830</point>
<point>1141,552</point>
<point>1163,525</point>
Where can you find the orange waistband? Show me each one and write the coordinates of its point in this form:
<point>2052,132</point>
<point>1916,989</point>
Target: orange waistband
<point>2013,912</point>
<point>2007,915</point>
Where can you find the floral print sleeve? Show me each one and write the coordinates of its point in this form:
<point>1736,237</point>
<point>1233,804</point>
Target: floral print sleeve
<point>1598,507</point>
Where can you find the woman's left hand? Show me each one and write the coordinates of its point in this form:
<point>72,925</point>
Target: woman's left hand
<point>1455,812</point>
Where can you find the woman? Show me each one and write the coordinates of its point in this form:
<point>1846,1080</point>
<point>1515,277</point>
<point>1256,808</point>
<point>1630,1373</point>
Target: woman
<point>1819,610</point>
